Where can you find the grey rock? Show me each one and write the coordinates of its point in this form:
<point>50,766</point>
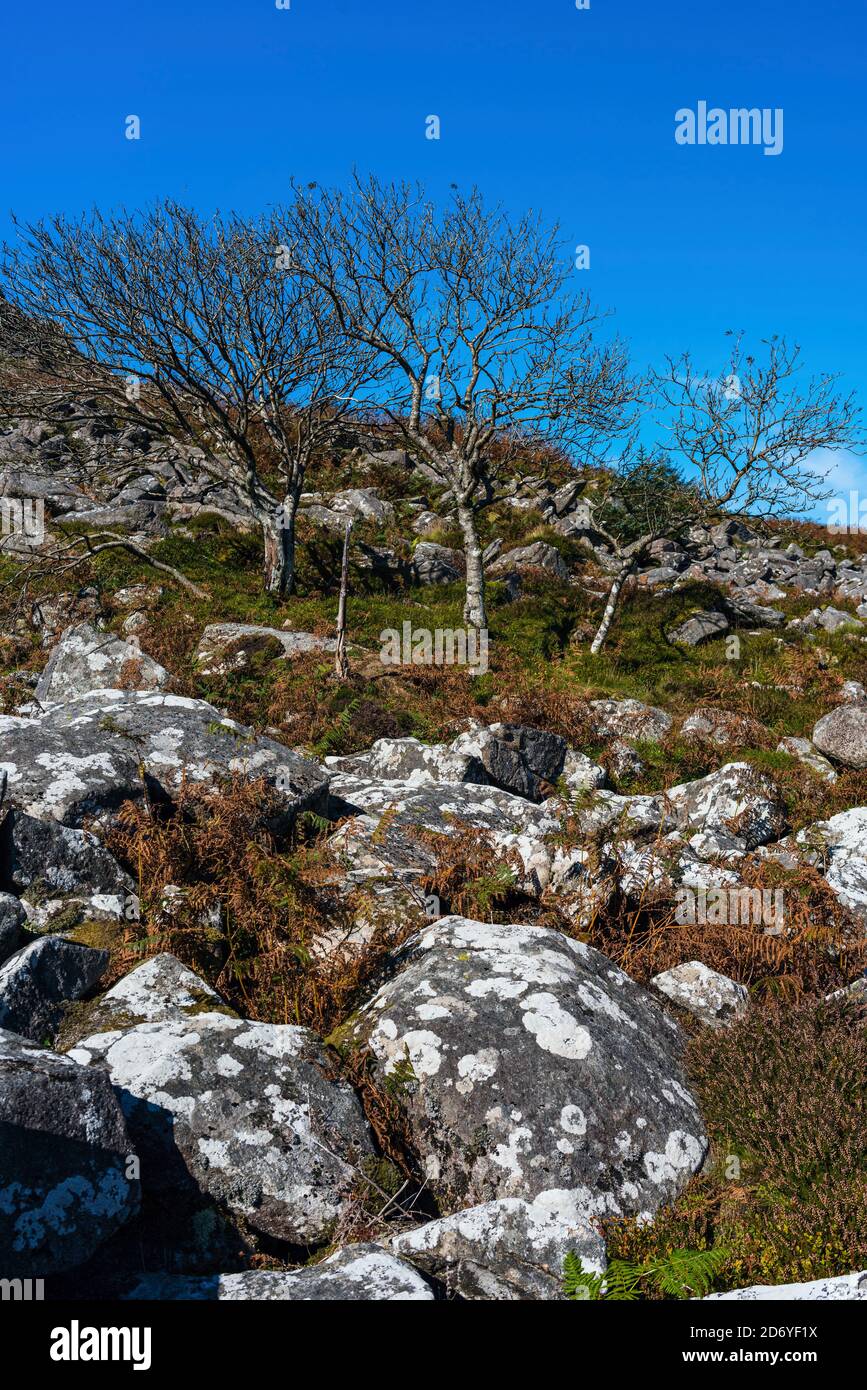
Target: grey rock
<point>229,647</point>
<point>842,735</point>
<point>580,773</point>
<point>838,848</point>
<point>528,1065</point>
<point>161,989</point>
<point>41,852</point>
<point>514,757</point>
<point>744,610</point>
<point>245,1112</point>
<point>700,627</point>
<point>538,555</point>
<point>722,728</point>
<point>710,996</point>
<point>518,828</point>
<point>506,1250</point>
<point>355,1274</point>
<point>436,564</point>
<point>39,980</point>
<point>84,757</point>
<point>629,719</point>
<point>12,918</point>
<point>803,750</point>
<point>86,660</point>
<point>845,1287</point>
<point>737,798</point>
<point>64,1152</point>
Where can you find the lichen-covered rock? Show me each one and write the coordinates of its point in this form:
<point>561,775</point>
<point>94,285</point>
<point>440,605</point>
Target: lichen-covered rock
<point>510,824</point>
<point>66,773</point>
<point>85,659</point>
<point>707,994</point>
<point>580,773</point>
<point>159,989</point>
<point>407,760</point>
<point>512,757</point>
<point>723,729</point>
<point>737,798</point>
<point>506,1250</point>
<point>37,982</point>
<point>41,852</point>
<point>436,564</point>
<point>803,750</point>
<point>842,735</point>
<point>64,1161</point>
<point>355,1274</point>
<point>845,1286</point>
<point>698,628</point>
<point>629,719</point>
<point>229,647</point>
<point>87,755</point>
<point>244,1110</point>
<point>538,555</point>
<point>838,847</point>
<point>12,918</point>
<point>527,1063</point>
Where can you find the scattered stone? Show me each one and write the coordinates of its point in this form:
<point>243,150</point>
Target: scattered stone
<point>629,719</point>
<point>244,1110</point>
<point>64,1161</point>
<point>845,1286</point>
<point>355,1274</point>
<point>842,735</point>
<point>700,627</point>
<point>85,660</point>
<point>803,750</point>
<point>710,996</point>
<point>39,980</point>
<point>737,799</point>
<point>506,1250</point>
<point>539,555</point>
<point>852,693</point>
<point>527,1063</point>
<point>225,648</point>
<point>723,729</point>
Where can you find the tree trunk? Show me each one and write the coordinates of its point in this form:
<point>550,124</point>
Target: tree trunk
<point>279,533</point>
<point>611,606</point>
<point>341,660</point>
<point>474,604</point>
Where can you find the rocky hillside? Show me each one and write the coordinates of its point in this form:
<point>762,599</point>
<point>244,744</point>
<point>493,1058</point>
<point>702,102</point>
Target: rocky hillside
<point>421,982</point>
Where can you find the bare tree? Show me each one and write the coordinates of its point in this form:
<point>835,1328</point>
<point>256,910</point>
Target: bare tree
<point>642,499</point>
<point>747,442</point>
<point>200,328</point>
<point>341,660</point>
<point>481,343</point>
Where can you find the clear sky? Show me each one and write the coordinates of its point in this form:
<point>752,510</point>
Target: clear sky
<point>544,105</point>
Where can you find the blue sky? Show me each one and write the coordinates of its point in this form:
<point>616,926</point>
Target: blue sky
<point>541,104</point>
